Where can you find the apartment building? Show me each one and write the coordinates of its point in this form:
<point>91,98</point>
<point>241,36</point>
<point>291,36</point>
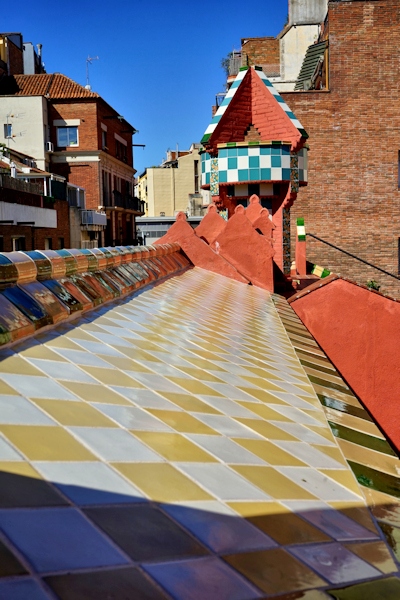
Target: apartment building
<point>174,186</point>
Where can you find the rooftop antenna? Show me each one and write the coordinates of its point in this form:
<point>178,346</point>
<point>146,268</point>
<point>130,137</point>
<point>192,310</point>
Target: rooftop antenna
<point>89,60</point>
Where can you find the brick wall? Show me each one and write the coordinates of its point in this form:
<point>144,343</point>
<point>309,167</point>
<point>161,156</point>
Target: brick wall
<point>86,111</point>
<point>352,199</point>
<point>35,237</point>
<point>87,173</point>
<point>62,231</point>
<point>260,51</point>
<point>15,59</point>
<point>114,126</point>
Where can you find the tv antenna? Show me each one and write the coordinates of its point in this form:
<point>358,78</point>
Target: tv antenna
<point>89,60</point>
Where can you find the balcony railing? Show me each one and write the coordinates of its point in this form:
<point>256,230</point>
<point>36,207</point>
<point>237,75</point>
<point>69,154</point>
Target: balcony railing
<point>92,217</point>
<point>12,183</point>
<point>128,202</point>
<point>89,244</point>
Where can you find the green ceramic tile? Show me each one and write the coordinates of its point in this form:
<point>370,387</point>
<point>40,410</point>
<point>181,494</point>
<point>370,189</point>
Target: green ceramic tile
<point>383,589</point>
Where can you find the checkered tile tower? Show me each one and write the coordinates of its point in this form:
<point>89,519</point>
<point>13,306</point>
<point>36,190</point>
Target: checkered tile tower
<point>255,144</point>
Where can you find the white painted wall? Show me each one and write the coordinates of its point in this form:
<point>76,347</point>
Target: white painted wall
<point>29,119</point>
<point>42,217</point>
<point>293,48</point>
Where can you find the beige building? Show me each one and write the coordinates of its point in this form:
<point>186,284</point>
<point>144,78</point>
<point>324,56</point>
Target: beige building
<point>173,186</point>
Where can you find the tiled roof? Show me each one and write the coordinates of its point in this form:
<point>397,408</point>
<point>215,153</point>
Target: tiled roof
<point>241,76</point>
<point>314,54</point>
<point>52,85</point>
<point>180,453</point>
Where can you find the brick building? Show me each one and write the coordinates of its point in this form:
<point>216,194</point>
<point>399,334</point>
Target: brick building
<point>353,120</point>
<point>352,200</point>
<point>90,145</point>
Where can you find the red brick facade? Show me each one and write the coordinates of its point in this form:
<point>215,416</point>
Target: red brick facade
<point>34,238</point>
<point>352,199</point>
<point>101,163</point>
<point>260,51</point>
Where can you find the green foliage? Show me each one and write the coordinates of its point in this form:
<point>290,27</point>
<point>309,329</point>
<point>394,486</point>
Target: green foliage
<point>225,63</point>
<point>373,285</point>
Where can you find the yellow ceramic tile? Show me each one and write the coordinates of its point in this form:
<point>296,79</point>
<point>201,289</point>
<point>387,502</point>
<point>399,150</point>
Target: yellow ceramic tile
<point>336,394</point>
<point>7,389</point>
<point>201,375</point>
<point>273,483</point>
<point>357,511</point>
<point>204,364</point>
<point>127,364</point>
<point>162,482</point>
<point>19,468</point>
<point>78,334</point>
<point>194,387</point>
<point>263,396</point>
<point>63,342</point>
<point>16,364</point>
<point>376,554</point>
<point>42,352</point>
<point>331,451</point>
<point>208,355</point>
<point>268,373</point>
<point>95,393</point>
<point>174,447</point>
<point>258,509</point>
<point>112,377</point>
<point>182,421</point>
<point>325,431</point>
<point>267,430</point>
<point>149,346</point>
<point>271,453</point>
<point>91,327</point>
<point>383,507</point>
<point>263,410</point>
<point>136,354</point>
<point>46,443</point>
<point>353,422</point>
<point>190,403</point>
<point>284,526</point>
<point>288,528</point>
<point>263,384</point>
<point>274,571</point>
<point>345,477</point>
<point>332,377</point>
<point>372,458</point>
<point>75,413</point>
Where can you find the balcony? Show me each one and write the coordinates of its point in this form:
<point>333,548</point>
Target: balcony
<point>128,202</point>
<point>23,214</point>
<point>92,220</point>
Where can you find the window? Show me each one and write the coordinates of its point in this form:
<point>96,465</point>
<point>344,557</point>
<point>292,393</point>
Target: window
<point>254,188</point>
<point>48,244</point>
<point>18,243</point>
<point>121,151</point>
<point>104,140</point>
<point>60,243</point>
<point>67,136</point>
<point>7,130</point>
<point>196,176</point>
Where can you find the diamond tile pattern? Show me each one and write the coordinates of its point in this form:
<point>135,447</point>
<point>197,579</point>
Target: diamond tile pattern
<point>189,442</point>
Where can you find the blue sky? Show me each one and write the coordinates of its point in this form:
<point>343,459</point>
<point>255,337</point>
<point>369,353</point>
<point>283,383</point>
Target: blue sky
<point>159,63</point>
